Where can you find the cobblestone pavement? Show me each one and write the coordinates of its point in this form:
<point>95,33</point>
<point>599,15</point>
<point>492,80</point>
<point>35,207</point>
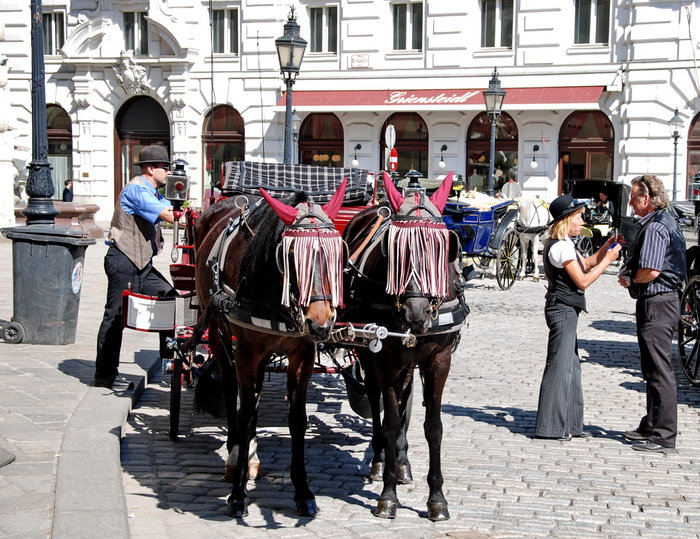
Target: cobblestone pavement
<point>499,481</point>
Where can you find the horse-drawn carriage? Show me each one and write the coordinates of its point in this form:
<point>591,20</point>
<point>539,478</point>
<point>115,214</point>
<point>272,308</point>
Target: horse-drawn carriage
<point>276,278</point>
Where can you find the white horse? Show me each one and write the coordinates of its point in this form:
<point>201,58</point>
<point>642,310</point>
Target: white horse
<point>533,216</point>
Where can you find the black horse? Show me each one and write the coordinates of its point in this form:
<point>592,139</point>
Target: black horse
<point>274,286</point>
<point>404,275</point>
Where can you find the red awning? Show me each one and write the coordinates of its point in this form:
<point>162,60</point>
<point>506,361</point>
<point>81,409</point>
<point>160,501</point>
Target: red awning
<point>566,97</point>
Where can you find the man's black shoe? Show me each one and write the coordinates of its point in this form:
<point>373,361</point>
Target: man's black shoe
<point>635,435</point>
<point>118,383</point>
<point>651,447</point>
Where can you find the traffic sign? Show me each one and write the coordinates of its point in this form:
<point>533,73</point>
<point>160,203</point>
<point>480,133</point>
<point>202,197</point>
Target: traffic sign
<point>393,160</point>
<point>390,136</point>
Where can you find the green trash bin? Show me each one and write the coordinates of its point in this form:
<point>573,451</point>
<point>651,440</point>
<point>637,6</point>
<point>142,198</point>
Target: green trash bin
<point>47,266</point>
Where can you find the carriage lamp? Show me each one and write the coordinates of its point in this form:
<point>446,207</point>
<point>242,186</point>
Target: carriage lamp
<point>493,97</point>
<point>441,164</point>
<point>676,123</point>
<point>533,163</point>
<point>355,162</point>
<point>177,184</point>
<point>290,51</point>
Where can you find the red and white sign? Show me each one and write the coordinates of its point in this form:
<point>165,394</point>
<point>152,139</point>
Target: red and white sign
<point>393,160</point>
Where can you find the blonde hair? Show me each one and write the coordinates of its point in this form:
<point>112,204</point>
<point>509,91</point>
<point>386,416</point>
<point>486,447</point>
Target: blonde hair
<point>559,230</point>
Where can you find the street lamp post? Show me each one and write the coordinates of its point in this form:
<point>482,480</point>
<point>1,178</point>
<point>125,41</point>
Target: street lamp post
<point>290,51</point>
<point>676,123</point>
<point>296,125</point>
<point>493,97</point>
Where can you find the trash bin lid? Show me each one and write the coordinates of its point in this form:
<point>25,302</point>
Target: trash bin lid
<point>48,234</point>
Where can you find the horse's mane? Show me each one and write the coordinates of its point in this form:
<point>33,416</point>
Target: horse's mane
<point>259,270</point>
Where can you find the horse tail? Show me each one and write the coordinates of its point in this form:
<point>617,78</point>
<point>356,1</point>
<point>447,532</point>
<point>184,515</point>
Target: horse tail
<point>208,393</point>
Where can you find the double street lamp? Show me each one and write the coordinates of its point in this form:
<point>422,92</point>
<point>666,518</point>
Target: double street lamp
<point>676,123</point>
<point>493,97</point>
<point>290,51</point>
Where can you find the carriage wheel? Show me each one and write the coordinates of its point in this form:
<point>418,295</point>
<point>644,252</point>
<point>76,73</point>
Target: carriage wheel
<point>585,245</point>
<point>689,331</point>
<point>175,397</point>
<point>508,260</point>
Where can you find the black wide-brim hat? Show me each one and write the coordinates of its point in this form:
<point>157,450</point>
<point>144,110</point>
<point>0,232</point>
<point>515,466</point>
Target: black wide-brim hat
<point>563,206</point>
<point>153,154</point>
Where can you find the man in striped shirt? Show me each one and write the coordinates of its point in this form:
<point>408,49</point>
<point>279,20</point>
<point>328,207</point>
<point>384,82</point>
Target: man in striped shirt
<point>654,275</point>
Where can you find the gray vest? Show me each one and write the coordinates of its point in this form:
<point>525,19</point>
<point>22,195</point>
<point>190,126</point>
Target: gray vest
<point>134,236</point>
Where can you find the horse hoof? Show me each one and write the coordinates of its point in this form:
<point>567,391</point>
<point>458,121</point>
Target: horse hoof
<point>307,508</point>
<point>237,508</point>
<point>377,473</point>
<point>385,509</point>
<point>404,475</point>
<point>535,279</point>
<point>438,511</point>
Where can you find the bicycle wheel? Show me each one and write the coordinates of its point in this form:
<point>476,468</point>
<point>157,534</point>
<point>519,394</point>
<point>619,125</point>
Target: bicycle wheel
<point>689,331</point>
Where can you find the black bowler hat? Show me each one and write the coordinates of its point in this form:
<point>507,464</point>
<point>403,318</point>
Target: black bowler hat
<point>563,206</point>
<point>153,154</point>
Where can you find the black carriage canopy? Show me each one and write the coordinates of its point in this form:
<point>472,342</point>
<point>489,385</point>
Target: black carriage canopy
<point>618,193</point>
<point>320,183</point>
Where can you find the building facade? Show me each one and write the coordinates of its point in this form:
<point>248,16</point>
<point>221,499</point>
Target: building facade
<point>591,86</point>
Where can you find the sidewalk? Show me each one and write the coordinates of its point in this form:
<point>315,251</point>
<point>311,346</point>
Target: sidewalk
<point>65,434</point>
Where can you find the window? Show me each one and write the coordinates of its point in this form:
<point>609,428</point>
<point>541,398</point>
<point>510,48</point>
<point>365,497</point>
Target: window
<point>497,23</point>
<point>324,29</point>
<point>225,26</point>
<point>408,26</point>
<point>586,145</point>
<point>592,21</point>
<point>223,139</point>
<point>411,142</point>
<point>60,150</point>
<point>321,141</point>
<point>479,147</point>
<point>54,32</point>
<point>136,32</point>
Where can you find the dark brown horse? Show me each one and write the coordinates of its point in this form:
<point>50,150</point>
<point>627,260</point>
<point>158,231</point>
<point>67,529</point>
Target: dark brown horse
<point>404,276</point>
<point>272,283</point>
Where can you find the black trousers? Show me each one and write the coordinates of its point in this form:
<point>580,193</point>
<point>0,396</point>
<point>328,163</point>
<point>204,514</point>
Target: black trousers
<point>122,274</point>
<point>657,318</point>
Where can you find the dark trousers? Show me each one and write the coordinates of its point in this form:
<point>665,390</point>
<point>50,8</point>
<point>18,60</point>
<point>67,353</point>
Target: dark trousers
<point>122,274</point>
<point>560,406</point>
<point>657,318</point>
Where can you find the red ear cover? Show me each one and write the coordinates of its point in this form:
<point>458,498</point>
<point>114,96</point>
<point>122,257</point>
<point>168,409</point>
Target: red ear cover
<point>439,197</point>
<point>392,193</point>
<point>333,205</point>
<point>284,211</point>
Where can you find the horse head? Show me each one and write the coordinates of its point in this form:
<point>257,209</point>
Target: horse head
<point>311,258</point>
<point>419,250</point>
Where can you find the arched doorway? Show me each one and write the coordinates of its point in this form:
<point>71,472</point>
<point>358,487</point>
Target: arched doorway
<point>479,148</point>
<point>321,140</point>
<point>140,122</point>
<point>693,149</point>
<point>223,139</point>
<point>411,142</point>
<point>586,141</point>
<point>60,151</point>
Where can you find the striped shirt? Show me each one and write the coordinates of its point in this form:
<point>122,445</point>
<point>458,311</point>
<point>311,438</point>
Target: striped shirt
<point>657,240</point>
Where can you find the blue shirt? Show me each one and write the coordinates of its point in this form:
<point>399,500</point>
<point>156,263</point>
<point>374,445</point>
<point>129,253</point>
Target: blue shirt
<point>144,200</point>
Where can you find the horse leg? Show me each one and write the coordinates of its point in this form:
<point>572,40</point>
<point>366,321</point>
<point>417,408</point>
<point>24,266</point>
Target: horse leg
<point>245,428</point>
<point>524,245</point>
<point>404,475</point>
<point>435,377</point>
<point>374,396</point>
<point>391,427</point>
<point>535,255</point>
<point>298,374</point>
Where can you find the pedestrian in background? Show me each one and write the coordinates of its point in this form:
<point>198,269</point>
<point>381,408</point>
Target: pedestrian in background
<point>67,191</point>
<point>134,237</point>
<point>654,275</point>
<point>569,274</point>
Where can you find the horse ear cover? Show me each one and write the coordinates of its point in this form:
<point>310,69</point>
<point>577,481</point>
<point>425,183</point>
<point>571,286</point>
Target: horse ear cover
<point>284,211</point>
<point>392,193</point>
<point>440,195</point>
<point>333,206</point>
